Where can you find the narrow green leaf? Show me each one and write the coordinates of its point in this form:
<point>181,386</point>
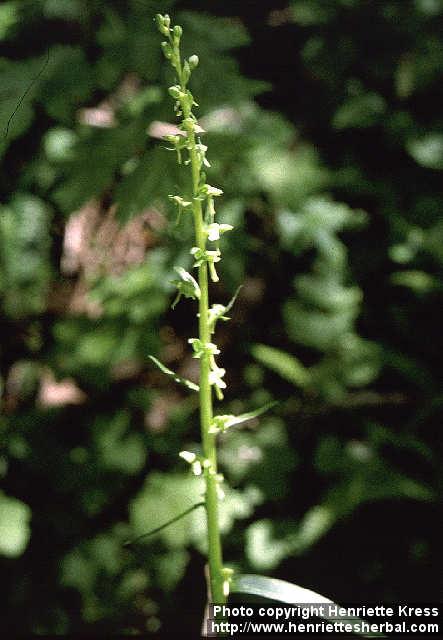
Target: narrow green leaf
<point>286,365</point>
<point>283,591</point>
<point>275,589</point>
<point>173,520</point>
<point>174,376</point>
<point>232,300</point>
<point>243,417</point>
<point>223,422</point>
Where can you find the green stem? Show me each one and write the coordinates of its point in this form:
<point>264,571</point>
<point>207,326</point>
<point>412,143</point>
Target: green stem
<point>216,577</point>
<point>208,439</point>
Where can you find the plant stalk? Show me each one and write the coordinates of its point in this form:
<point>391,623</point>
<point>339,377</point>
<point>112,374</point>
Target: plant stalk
<point>208,439</point>
<point>215,561</point>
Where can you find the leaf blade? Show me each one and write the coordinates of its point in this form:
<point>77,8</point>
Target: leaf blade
<point>171,374</point>
<point>276,589</point>
<point>231,420</point>
<point>282,363</point>
<point>289,593</point>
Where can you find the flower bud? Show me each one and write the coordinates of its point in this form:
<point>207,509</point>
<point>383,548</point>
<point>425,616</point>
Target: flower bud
<point>186,72</point>
<point>189,456</point>
<point>193,62</point>
<point>209,190</point>
<point>172,139</point>
<point>188,125</point>
<point>175,92</point>
<point>167,50</point>
<point>197,468</point>
<point>163,23</point>
<point>177,32</point>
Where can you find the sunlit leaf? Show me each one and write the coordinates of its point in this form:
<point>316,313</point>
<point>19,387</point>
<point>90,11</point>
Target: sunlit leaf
<point>24,249</point>
<point>14,526</point>
<point>289,593</point>
<point>266,551</point>
<point>285,364</point>
<point>428,150</point>
<point>275,589</point>
<point>359,111</point>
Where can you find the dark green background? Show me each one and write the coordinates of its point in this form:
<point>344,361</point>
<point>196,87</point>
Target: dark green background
<point>324,127</point>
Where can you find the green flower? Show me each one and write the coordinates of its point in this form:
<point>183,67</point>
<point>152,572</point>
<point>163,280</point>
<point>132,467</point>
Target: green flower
<point>187,286</point>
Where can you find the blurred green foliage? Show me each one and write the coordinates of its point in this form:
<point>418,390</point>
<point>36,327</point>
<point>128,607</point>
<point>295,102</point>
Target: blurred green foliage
<point>336,197</point>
